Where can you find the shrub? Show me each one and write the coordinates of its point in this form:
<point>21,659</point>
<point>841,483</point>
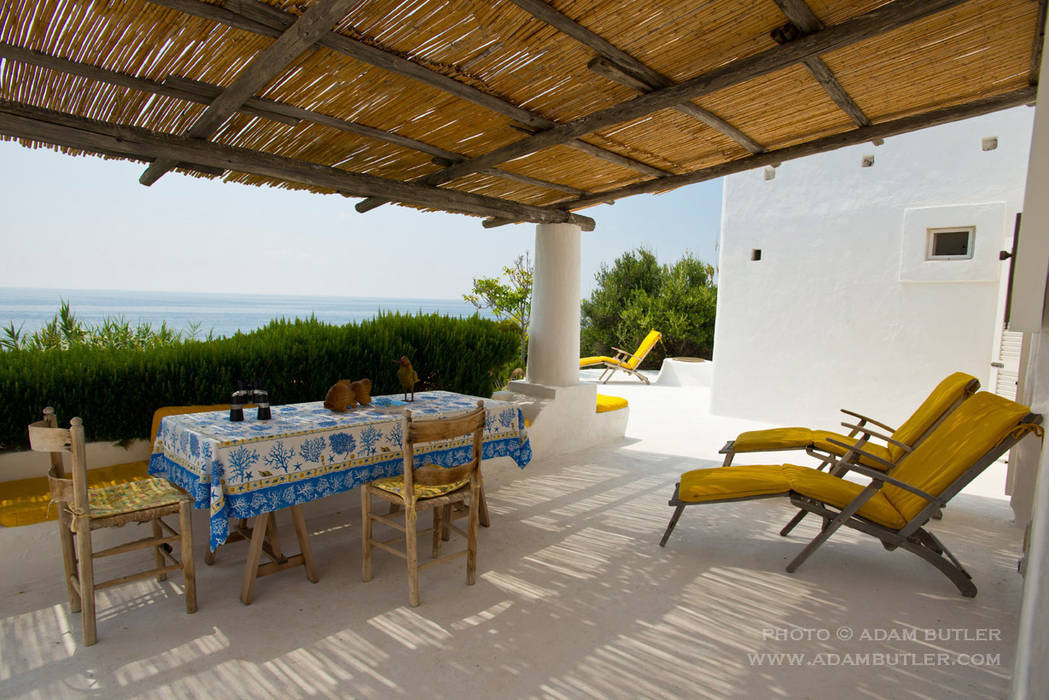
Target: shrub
<point>116,391</point>
<point>637,294</point>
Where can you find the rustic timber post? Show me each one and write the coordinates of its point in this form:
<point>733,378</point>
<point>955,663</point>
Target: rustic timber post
<point>553,336</point>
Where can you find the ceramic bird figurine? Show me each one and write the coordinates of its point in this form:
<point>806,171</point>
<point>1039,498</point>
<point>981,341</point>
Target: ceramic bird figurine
<point>407,377</point>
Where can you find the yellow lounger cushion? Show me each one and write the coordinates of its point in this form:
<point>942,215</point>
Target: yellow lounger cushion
<point>840,492</point>
<point>395,484</point>
<point>599,359</point>
<point>954,447</point>
<point>727,483</point>
<point>748,481</point>
<point>942,397</point>
<point>800,438</point>
<point>610,403</point>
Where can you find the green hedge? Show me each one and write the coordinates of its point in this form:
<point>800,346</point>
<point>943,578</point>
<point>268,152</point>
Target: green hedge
<point>116,391</point>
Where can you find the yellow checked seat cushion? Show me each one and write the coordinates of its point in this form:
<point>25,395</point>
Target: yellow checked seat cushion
<point>395,484</point>
<point>740,482</point>
<point>801,438</point>
<point>133,496</point>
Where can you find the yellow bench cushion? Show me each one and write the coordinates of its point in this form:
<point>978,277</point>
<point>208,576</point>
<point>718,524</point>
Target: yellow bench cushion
<point>26,501</point>
<point>610,403</point>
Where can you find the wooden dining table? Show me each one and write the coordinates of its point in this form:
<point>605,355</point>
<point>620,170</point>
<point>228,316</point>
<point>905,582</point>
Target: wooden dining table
<point>248,470</point>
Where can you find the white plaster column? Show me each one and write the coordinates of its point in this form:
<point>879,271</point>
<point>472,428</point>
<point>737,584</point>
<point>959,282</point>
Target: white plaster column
<point>1030,672</point>
<point>553,334</point>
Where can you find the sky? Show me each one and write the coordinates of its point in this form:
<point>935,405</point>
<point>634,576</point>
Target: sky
<point>85,223</point>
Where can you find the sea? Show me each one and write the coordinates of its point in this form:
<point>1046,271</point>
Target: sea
<point>219,314</point>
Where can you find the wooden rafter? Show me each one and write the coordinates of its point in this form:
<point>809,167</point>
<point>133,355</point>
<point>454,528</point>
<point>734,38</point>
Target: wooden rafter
<point>619,66</point>
<point>304,33</point>
<point>259,18</point>
<point>892,15</point>
<point>829,143</point>
<point>61,129</point>
<point>802,17</point>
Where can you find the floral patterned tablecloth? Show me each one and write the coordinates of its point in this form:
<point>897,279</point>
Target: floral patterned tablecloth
<point>306,452</point>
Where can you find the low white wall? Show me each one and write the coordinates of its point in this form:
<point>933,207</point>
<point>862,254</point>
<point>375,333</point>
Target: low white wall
<point>842,310</point>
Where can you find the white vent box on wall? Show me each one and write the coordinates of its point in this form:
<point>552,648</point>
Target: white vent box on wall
<point>956,243</point>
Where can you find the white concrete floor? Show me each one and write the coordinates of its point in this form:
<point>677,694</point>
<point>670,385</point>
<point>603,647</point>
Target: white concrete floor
<point>574,599</point>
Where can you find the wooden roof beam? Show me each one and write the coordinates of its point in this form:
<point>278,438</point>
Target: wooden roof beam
<point>802,17</point>
<point>828,143</point>
<point>616,73</point>
<point>317,21</point>
<point>259,18</point>
<point>619,66</point>
<point>892,15</point>
<point>60,129</point>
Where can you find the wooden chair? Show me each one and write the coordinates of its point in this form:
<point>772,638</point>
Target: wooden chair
<point>623,360</point>
<point>83,510</point>
<point>428,486</point>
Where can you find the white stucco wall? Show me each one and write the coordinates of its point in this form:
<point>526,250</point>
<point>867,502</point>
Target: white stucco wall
<point>842,311</point>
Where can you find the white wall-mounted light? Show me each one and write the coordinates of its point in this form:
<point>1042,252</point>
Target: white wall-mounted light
<point>867,160</point>
<point>989,143</point>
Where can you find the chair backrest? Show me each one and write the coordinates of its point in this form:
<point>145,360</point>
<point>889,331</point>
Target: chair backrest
<point>646,346</point>
<point>442,429</point>
<point>45,436</point>
<point>974,433</point>
<point>947,396</point>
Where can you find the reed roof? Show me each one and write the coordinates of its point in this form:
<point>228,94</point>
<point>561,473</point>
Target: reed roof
<point>515,110</point>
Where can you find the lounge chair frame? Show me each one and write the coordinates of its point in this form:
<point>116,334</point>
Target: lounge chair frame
<point>623,358</point>
<point>912,537</point>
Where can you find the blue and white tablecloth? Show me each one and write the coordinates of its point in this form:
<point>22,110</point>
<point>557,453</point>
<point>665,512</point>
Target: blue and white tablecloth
<point>306,452</point>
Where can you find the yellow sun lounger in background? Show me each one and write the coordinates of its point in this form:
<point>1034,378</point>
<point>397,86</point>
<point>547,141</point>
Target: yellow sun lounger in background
<point>628,362</point>
<point>826,445</point>
<point>895,506</point>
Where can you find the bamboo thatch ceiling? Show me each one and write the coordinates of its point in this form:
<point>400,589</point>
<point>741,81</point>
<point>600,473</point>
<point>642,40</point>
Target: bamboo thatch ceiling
<point>516,110</point>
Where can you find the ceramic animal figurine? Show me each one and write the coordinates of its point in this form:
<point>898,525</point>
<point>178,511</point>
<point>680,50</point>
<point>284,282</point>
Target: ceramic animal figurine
<point>340,396</point>
<point>407,377</point>
<point>362,390</point>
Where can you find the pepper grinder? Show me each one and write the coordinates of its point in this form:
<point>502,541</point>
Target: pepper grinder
<point>262,398</point>
<point>236,409</point>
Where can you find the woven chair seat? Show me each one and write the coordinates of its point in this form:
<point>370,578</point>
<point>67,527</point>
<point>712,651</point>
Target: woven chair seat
<point>395,484</point>
<point>133,496</point>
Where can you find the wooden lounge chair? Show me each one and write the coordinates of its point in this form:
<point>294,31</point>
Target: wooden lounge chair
<point>428,486</point>
<point>895,506</point>
<point>83,510</point>
<point>827,446</point>
<point>628,362</point>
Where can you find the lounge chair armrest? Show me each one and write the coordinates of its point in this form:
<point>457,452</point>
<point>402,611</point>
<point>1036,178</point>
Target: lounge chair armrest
<point>865,419</point>
<point>855,426</point>
<point>857,450</point>
<point>887,479</point>
<point>624,353</point>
